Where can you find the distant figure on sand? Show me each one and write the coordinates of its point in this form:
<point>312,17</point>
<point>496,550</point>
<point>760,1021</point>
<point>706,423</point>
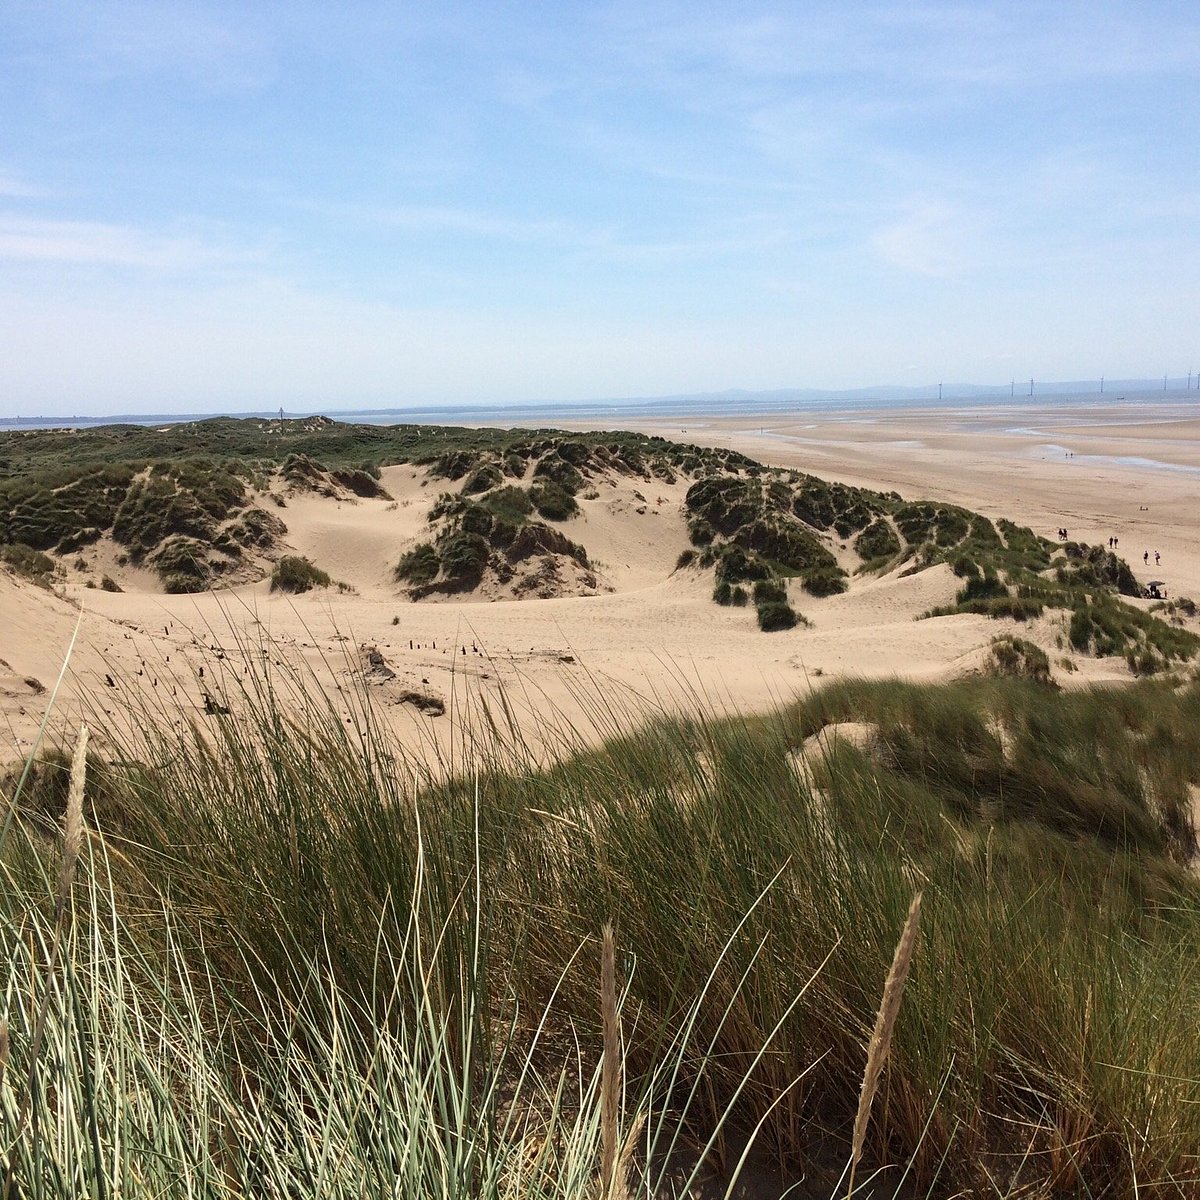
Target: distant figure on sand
<point>1145,556</point>
<point>1156,558</point>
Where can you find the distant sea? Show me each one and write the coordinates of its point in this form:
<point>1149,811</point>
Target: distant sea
<point>792,402</point>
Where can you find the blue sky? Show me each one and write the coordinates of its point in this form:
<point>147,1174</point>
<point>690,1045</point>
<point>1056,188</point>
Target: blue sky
<point>242,205</point>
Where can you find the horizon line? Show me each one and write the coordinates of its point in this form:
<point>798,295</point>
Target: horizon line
<point>1104,389</point>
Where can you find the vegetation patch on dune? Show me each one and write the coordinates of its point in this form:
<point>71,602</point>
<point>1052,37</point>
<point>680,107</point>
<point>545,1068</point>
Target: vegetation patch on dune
<point>29,563</point>
<point>191,520</point>
<point>1011,655</point>
<point>1019,579</point>
<point>144,486</point>
<point>761,525</point>
<point>748,530</point>
<point>302,473</point>
<point>499,527</point>
<point>297,575</point>
<point>492,537</point>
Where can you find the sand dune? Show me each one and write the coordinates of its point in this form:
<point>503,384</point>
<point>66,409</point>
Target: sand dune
<point>655,634</point>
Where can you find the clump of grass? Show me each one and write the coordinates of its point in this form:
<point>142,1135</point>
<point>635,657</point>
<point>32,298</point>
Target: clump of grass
<point>481,479</point>
<point>419,565</point>
<point>1177,609</point>
<point>53,507</point>
<point>1104,626</point>
<point>1015,656</point>
<point>30,563</point>
<point>838,506</point>
<point>185,500</point>
<point>73,831</point>
<point>877,541</point>
<point>297,575</point>
<point>775,615</point>
<point>492,533</point>
<point>427,1061</point>
<point>750,530</point>
<point>552,501</point>
<point>361,482</point>
<point>183,564</point>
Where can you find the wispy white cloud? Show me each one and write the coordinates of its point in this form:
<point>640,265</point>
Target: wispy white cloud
<point>471,222</point>
<point>13,187</point>
<point>611,243</point>
<point>932,237</point>
<point>681,45</point>
<point>742,239</point>
<point>219,50</point>
<point>40,240</point>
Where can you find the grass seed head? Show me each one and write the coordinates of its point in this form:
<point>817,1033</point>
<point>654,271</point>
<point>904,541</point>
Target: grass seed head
<point>885,1023</point>
<point>73,822</point>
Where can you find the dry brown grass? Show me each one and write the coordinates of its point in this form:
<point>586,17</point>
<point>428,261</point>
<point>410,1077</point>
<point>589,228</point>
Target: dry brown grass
<point>881,1035</point>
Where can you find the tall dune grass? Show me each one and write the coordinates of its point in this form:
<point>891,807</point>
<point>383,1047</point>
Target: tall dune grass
<point>306,962</point>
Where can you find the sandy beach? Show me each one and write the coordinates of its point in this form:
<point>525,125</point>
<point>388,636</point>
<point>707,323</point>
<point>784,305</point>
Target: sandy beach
<point>652,635</point>
<point>1126,470</point>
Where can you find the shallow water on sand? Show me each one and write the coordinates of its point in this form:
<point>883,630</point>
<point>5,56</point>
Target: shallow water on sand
<point>1138,461</point>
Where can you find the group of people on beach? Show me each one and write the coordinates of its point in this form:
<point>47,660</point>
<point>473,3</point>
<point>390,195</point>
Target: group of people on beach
<point>1112,545</point>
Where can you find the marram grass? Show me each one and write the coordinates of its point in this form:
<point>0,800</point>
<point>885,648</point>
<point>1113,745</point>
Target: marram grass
<point>304,962</point>
<point>881,1035</point>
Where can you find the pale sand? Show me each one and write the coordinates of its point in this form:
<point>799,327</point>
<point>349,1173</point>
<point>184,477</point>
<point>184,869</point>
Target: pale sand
<point>656,636</point>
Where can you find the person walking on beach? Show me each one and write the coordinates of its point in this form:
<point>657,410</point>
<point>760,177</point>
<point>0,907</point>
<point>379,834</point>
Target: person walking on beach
<point>1145,556</point>
<point>1156,558</point>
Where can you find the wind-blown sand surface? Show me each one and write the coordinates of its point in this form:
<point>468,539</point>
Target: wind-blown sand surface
<point>656,634</point>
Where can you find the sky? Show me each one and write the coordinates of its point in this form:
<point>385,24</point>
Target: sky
<point>240,206</point>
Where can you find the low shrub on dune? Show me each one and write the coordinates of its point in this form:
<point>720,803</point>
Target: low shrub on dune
<point>297,575</point>
<point>30,563</point>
